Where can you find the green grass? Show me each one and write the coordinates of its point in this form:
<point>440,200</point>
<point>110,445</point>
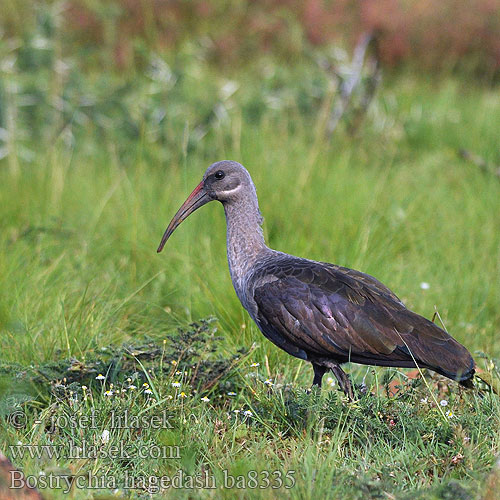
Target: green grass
<point>81,220</point>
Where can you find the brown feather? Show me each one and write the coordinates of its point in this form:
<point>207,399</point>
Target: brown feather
<point>341,314</point>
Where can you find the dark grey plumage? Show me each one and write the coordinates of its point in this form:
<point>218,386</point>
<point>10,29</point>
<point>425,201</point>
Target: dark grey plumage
<point>319,312</point>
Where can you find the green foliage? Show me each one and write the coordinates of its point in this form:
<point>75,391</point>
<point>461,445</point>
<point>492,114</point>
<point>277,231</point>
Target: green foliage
<point>152,408</point>
<point>93,165</point>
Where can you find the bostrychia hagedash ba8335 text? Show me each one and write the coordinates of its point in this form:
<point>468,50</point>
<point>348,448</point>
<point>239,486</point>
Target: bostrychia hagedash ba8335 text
<point>318,312</point>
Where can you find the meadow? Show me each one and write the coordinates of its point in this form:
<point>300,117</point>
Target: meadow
<point>93,322</point>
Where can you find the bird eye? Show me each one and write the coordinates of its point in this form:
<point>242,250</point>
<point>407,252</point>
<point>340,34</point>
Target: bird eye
<point>219,175</point>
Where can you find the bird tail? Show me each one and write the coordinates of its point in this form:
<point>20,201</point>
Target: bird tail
<point>463,377</point>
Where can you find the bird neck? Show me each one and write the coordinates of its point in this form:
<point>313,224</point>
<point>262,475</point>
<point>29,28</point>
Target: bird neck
<point>245,239</point>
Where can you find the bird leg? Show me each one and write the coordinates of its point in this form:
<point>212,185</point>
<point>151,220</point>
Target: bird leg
<point>322,365</point>
<point>342,377</point>
<point>319,371</point>
<point>344,381</point>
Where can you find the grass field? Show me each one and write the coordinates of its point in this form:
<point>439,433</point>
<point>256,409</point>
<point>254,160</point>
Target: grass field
<point>83,292</point>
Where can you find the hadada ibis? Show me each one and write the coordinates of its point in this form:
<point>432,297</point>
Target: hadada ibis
<point>319,312</point>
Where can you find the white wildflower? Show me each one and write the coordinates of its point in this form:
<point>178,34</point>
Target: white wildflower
<point>105,436</point>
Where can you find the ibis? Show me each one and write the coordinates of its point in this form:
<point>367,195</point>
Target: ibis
<point>322,313</point>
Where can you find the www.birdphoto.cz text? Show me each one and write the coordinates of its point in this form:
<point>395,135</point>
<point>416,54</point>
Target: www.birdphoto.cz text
<point>154,484</point>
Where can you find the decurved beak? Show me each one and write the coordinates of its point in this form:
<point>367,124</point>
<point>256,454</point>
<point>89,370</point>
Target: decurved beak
<point>195,200</point>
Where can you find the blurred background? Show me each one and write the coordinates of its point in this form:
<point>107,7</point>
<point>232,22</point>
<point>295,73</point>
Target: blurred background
<point>70,66</point>
<point>371,130</point>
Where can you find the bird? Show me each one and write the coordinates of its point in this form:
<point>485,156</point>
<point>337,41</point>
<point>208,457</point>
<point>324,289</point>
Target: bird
<point>321,313</point>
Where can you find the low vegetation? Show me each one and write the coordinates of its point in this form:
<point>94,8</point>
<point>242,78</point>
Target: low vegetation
<point>94,325</point>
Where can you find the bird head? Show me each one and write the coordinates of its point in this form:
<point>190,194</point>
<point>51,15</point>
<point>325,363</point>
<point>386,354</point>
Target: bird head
<point>224,181</point>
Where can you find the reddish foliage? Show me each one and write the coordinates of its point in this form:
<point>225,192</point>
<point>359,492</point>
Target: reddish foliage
<point>397,384</point>
<point>8,473</point>
<point>432,34</point>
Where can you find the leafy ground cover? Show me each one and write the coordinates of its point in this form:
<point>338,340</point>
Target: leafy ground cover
<point>92,168</point>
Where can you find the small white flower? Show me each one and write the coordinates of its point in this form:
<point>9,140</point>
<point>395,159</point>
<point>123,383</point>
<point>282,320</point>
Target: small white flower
<point>176,384</point>
<point>450,414</point>
<point>424,285</point>
<point>183,395</point>
<point>100,377</point>
<point>132,387</point>
<point>205,399</point>
<point>231,394</point>
<point>170,396</point>
<point>268,381</point>
<point>443,402</point>
<point>330,381</point>
<point>105,436</point>
<point>247,413</point>
<point>236,411</point>
<point>108,393</point>
<point>148,391</point>
<point>84,387</point>
<point>255,365</point>
<point>424,401</point>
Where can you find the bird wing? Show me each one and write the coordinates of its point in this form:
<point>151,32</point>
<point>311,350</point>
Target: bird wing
<point>333,312</point>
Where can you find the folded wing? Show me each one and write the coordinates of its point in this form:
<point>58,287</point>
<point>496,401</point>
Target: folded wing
<point>322,310</point>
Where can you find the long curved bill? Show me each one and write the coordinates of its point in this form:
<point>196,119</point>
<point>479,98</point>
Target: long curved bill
<point>195,200</point>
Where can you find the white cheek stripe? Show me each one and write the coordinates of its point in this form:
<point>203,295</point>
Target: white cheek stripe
<point>231,191</point>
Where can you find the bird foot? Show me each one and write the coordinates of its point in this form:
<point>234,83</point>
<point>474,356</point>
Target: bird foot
<point>344,381</point>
